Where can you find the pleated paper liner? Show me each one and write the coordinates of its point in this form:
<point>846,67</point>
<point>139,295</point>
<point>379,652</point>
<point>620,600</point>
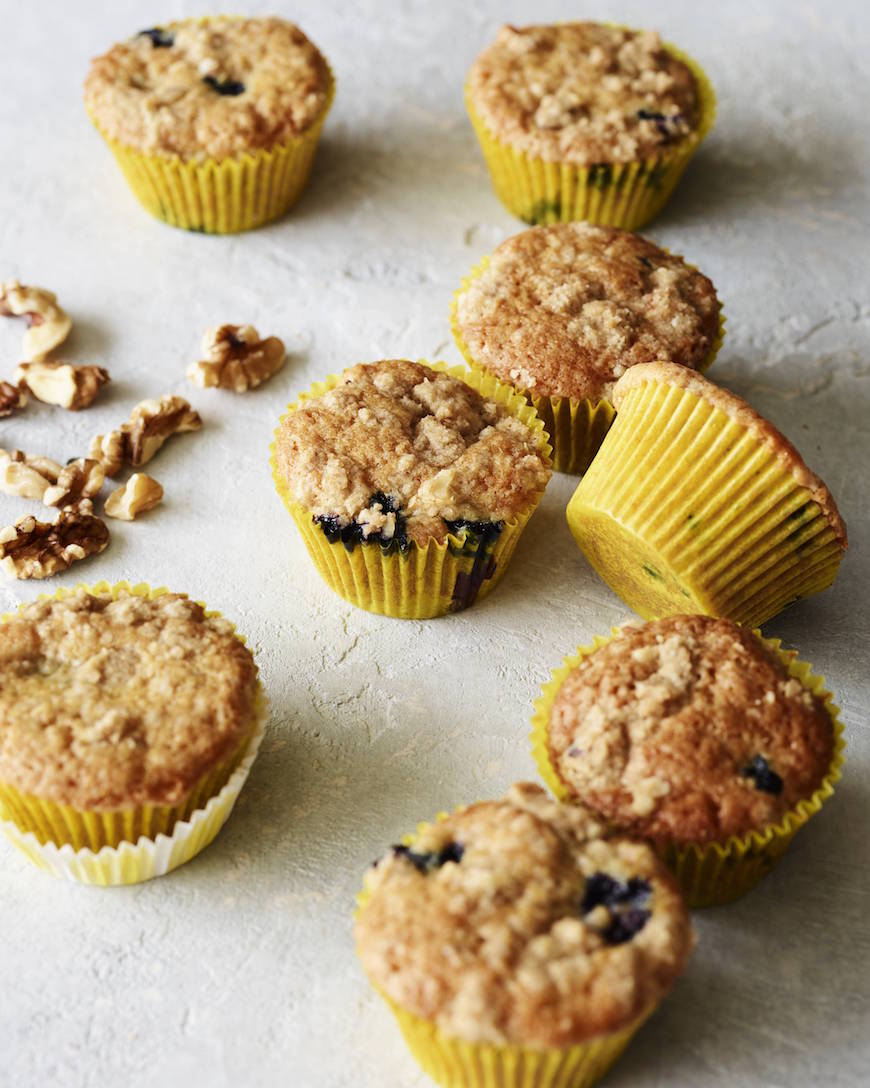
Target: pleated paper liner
<point>576,428</point>
<point>626,195</point>
<point>714,873</point>
<point>423,581</point>
<point>686,510</point>
<point>129,845</point>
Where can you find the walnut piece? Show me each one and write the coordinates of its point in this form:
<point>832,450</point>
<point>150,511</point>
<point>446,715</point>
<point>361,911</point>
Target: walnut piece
<point>27,476</point>
<point>37,549</point>
<point>63,384</point>
<point>12,398</point>
<point>77,480</point>
<point>48,324</point>
<point>234,357</point>
<point>139,493</point>
<point>151,422</point>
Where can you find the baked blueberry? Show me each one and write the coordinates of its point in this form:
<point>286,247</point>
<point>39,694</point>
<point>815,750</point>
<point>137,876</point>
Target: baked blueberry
<point>428,861</point>
<point>230,87</point>
<point>625,901</point>
<point>160,38</point>
<point>762,775</point>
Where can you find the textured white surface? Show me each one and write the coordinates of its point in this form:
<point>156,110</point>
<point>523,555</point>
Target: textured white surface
<point>238,970</point>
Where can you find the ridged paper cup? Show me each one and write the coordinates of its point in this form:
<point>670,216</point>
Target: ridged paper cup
<point>713,873</point>
<point>576,428</point>
<point>221,196</point>
<point>423,581</point>
<point>127,846</point>
<point>625,195</point>
<point>687,509</point>
<point>457,1063</point>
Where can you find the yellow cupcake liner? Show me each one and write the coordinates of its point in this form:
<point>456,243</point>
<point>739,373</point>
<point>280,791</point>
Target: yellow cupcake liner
<point>576,428</point>
<point>424,581</point>
<point>457,1063</point>
<point>129,845</point>
<point>623,195</point>
<point>685,510</point>
<point>712,873</point>
<point>221,196</point>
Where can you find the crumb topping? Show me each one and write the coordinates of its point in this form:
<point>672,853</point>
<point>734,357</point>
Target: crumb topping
<point>565,310</point>
<point>110,703</point>
<point>216,87</point>
<point>399,444</point>
<point>515,921</point>
<point>583,93</point>
<point>688,729</point>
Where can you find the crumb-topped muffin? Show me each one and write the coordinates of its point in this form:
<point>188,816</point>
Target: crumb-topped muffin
<point>519,923</point>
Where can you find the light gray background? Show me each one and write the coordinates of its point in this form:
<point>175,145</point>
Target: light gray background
<point>239,969</point>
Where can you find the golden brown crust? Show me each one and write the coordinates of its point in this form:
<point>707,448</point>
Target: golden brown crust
<point>563,311</point>
<point>428,442</point>
<point>108,704</point>
<point>218,87</point>
<point>746,416</point>
<point>659,731</point>
<point>583,93</point>
<point>503,944</point>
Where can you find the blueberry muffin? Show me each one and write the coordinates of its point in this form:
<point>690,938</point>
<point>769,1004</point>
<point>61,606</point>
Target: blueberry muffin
<point>411,483</point>
<point>214,121</point>
<point>562,312</point>
<point>517,928</point>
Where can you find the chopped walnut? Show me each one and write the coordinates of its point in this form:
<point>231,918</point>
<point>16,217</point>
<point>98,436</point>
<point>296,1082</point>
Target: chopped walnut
<point>77,480</point>
<point>12,398</point>
<point>151,422</point>
<point>236,358</point>
<point>26,476</point>
<point>38,549</point>
<point>48,324</point>
<point>63,384</point>
<point>139,493</point>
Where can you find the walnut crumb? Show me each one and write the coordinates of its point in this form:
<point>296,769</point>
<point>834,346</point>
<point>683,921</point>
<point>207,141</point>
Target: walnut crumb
<point>25,475</point>
<point>67,386</point>
<point>77,480</point>
<point>48,324</point>
<point>12,399</point>
<point>38,549</point>
<point>151,422</point>
<point>234,357</point>
<point>140,493</point>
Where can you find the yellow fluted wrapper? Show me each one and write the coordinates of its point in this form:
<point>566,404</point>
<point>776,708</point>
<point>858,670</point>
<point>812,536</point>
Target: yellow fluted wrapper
<point>423,581</point>
<point>712,873</point>
<point>127,846</point>
<point>576,428</point>
<point>623,195</point>
<point>686,510</point>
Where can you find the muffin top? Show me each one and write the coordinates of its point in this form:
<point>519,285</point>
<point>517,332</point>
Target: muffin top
<point>745,416</point>
<point>514,921</point>
<point>214,87</point>
<point>563,311</point>
<point>583,93</point>
<point>108,703</point>
<point>688,729</point>
<point>399,452</point>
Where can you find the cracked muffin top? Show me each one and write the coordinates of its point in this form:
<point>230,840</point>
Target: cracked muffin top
<point>688,729</point>
<point>400,452</point>
<point>108,703</point>
<point>583,93</point>
<point>214,87</point>
<point>515,921</point>
<point>563,311</point>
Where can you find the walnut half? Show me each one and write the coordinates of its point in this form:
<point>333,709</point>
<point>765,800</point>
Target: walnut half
<point>27,476</point>
<point>77,480</point>
<point>12,399</point>
<point>49,325</point>
<point>236,358</point>
<point>140,493</point>
<point>63,384</point>
<point>151,422</point>
<point>37,549</point>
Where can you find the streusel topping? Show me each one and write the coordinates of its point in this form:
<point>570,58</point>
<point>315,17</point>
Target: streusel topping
<point>565,310</point>
<point>583,93</point>
<point>516,921</point>
<point>215,87</point>
<point>688,729</point>
<point>108,703</point>
<point>399,445</point>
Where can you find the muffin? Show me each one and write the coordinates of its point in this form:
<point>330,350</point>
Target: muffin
<point>698,736</point>
<point>129,719</point>
<point>587,121</point>
<point>214,121</point>
<point>410,483</point>
<point>695,503</point>
<point>561,312</point>
<point>517,944</point>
